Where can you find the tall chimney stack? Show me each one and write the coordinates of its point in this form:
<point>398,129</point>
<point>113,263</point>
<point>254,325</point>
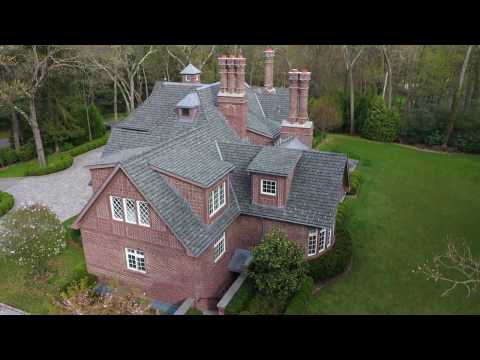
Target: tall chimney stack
<point>232,100</point>
<point>304,84</point>
<point>268,85</point>
<point>293,76</point>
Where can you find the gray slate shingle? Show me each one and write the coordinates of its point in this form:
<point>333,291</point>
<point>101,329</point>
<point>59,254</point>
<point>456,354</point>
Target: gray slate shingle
<point>275,161</point>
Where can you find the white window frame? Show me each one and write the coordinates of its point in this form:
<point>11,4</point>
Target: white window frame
<point>220,240</point>
<point>137,254</point>
<point>134,221</point>
<point>215,202</point>
<point>112,208</point>
<point>322,232</point>
<point>329,238</point>
<point>312,233</point>
<point>268,193</point>
<point>140,222</point>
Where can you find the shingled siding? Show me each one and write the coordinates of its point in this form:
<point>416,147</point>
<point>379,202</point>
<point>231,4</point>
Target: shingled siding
<point>257,139</point>
<point>277,201</point>
<point>99,176</point>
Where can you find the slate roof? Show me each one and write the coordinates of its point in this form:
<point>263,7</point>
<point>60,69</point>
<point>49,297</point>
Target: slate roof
<point>294,143</point>
<point>151,140</point>
<point>315,189</point>
<point>190,70</point>
<point>275,161</point>
<point>189,101</point>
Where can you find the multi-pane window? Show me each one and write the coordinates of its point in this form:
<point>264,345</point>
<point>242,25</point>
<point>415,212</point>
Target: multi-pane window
<point>135,260</point>
<point>130,211</point>
<point>329,238</point>
<point>322,237</point>
<point>312,242</point>
<point>116,205</point>
<point>216,199</point>
<point>269,187</point>
<point>219,248</point>
<point>143,213</point>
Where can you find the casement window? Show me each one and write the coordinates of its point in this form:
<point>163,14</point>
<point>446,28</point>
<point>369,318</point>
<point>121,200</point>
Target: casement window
<point>312,242</point>
<point>216,199</point>
<point>268,187</point>
<point>219,248</point>
<point>143,213</point>
<point>130,211</point>
<point>116,204</point>
<point>135,260</point>
<point>318,240</point>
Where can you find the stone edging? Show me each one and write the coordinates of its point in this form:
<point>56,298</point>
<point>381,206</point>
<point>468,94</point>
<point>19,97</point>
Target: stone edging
<point>12,309</point>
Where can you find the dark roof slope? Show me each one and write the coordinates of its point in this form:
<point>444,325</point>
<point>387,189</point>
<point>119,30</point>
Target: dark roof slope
<point>275,161</point>
<point>314,192</point>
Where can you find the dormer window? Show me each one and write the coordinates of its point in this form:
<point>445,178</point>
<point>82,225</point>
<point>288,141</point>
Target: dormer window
<point>185,112</point>
<point>187,108</point>
<point>268,187</point>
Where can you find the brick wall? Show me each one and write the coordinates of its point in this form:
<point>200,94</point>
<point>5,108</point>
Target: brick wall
<point>304,134</point>
<point>258,139</point>
<point>275,201</point>
<point>99,176</point>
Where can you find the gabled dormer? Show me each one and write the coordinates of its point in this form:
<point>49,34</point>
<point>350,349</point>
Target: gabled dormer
<point>191,74</point>
<point>187,108</point>
<point>272,172</point>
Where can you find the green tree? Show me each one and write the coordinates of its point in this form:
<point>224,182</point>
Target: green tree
<point>381,124</point>
<point>278,266</point>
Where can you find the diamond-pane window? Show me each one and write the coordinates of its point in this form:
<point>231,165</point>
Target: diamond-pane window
<point>143,213</point>
<point>116,205</point>
<point>130,211</point>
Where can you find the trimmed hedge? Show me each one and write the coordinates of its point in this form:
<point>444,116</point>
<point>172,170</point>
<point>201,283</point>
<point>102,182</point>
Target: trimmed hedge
<point>88,146</point>
<point>355,181</point>
<point>6,202</point>
<point>336,260</point>
<point>299,302</point>
<point>342,213</point>
<point>63,162</point>
<point>8,156</point>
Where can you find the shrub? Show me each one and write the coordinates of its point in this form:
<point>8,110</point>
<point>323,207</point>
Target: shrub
<point>8,156</point>
<point>63,162</point>
<point>88,146</point>
<point>468,141</point>
<point>97,122</point>
<point>6,202</point>
<point>325,113</point>
<point>342,213</point>
<point>336,260</point>
<point>26,152</point>
<point>194,311</point>
<point>31,235</point>
<point>298,304</point>
<point>381,124</point>
<point>435,138</point>
<point>242,298</point>
<point>67,146</point>
<point>355,181</point>
<point>278,266</point>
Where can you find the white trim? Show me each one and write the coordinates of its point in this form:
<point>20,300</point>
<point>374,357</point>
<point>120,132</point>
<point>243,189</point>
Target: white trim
<point>139,214</point>
<point>312,232</point>
<point>112,208</point>
<point>268,193</point>
<point>221,239</point>
<point>211,196</point>
<point>125,212</point>
<point>136,254</point>
<point>323,231</point>
<point>329,238</point>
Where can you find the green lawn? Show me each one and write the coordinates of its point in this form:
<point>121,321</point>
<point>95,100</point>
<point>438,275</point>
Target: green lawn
<point>408,204</point>
<point>19,290</point>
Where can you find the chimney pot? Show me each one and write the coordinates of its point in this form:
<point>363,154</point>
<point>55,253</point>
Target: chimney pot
<point>268,82</point>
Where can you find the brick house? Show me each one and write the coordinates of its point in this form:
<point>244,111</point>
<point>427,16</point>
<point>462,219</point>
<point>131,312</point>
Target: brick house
<point>199,172</point>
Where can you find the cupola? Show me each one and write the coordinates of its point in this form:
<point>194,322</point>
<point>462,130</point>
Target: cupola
<point>191,74</point>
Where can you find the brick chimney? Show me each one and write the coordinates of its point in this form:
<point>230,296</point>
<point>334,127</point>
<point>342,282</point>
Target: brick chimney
<point>303,85</point>
<point>268,85</point>
<point>293,76</point>
<point>298,124</point>
<point>232,101</point>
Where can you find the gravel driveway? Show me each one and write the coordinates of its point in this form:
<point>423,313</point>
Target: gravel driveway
<point>65,192</point>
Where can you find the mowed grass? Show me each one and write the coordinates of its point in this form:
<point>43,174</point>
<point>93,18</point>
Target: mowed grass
<point>408,206</point>
<point>21,168</point>
<point>19,290</point>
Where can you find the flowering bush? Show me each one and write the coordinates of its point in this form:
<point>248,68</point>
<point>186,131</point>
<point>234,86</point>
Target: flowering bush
<point>80,299</point>
<point>31,235</point>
